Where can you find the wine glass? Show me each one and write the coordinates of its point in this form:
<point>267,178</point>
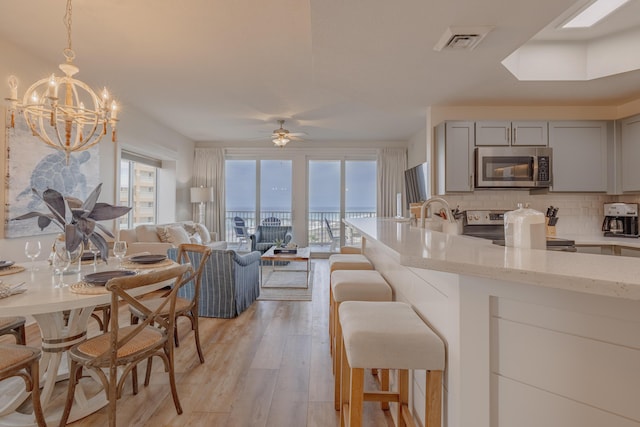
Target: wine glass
<point>32,251</point>
<point>119,250</point>
<point>95,251</point>
<point>60,262</point>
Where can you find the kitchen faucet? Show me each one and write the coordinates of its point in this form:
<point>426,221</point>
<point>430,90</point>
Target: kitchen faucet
<point>425,205</point>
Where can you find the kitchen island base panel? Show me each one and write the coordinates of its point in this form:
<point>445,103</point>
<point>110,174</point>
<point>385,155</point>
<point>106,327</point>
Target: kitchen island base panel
<point>520,354</point>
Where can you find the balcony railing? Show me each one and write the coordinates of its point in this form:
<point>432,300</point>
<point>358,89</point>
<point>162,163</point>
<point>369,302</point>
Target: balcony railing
<point>318,233</point>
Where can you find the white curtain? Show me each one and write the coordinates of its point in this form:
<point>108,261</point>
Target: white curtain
<point>208,171</point>
<point>392,162</point>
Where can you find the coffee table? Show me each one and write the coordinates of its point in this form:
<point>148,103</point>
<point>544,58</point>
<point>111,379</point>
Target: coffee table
<point>302,255</point>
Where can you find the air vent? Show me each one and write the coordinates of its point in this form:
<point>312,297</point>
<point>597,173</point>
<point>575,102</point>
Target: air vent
<point>461,38</point>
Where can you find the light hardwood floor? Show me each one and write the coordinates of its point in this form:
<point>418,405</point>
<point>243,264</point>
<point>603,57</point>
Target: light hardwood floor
<point>268,367</point>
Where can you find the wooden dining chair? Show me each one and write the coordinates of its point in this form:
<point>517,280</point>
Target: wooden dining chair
<point>123,348</point>
<point>14,326</point>
<point>22,361</point>
<point>197,256</point>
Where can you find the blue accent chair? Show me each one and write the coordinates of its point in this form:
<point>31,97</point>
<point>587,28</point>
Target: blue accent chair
<point>230,282</point>
<point>266,235</point>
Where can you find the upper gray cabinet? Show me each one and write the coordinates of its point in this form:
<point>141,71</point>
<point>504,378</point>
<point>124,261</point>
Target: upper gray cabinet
<point>454,156</point>
<point>579,155</point>
<point>498,133</point>
<point>630,153</point>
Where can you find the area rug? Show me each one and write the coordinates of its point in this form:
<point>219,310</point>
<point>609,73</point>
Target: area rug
<point>283,285</point>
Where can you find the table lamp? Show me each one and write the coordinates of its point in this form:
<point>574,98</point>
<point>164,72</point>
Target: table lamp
<point>201,195</point>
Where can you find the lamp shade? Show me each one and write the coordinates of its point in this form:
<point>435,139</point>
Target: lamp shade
<point>201,194</point>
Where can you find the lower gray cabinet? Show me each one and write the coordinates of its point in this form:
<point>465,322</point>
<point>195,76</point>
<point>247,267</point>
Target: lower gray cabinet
<point>579,162</point>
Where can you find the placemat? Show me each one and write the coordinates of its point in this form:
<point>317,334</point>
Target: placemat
<point>136,266</point>
<point>11,270</point>
<point>87,289</point>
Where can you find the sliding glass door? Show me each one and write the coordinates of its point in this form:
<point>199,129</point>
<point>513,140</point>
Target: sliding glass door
<point>339,189</point>
<point>256,200</point>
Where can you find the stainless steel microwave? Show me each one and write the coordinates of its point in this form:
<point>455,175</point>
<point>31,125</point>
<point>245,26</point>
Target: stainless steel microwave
<point>510,167</point>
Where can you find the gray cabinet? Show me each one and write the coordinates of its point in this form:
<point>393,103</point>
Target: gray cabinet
<point>630,153</point>
<point>454,156</point>
<point>579,155</point>
<point>497,133</point>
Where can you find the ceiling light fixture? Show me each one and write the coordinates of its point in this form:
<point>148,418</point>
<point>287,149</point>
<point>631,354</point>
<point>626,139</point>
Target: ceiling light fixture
<point>594,13</point>
<point>74,122</point>
<point>281,141</point>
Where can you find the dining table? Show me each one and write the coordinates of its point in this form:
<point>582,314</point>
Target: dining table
<point>61,304</point>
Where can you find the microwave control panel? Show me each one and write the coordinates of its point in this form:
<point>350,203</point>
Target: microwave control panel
<point>543,169</point>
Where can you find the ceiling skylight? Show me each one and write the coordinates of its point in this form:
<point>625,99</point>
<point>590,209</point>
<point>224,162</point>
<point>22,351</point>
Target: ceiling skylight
<point>594,13</point>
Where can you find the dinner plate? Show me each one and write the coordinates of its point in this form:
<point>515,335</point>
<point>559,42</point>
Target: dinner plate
<point>5,264</point>
<point>147,259</point>
<point>102,277</point>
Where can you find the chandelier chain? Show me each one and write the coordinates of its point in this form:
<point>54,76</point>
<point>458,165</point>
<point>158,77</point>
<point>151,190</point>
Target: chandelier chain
<point>68,52</point>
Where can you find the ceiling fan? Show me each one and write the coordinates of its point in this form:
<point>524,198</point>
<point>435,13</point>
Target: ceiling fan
<point>281,136</point>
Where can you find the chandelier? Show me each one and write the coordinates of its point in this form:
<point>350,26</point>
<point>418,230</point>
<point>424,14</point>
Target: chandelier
<point>280,141</point>
<point>64,112</point>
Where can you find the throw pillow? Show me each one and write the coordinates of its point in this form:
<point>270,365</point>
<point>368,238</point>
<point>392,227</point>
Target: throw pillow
<point>190,227</point>
<point>176,235</point>
<point>203,232</point>
<point>195,239</point>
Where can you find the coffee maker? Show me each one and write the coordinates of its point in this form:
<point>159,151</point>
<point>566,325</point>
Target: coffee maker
<point>620,220</point>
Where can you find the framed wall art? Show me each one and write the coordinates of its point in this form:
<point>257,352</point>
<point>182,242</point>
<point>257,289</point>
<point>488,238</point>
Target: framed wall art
<point>30,163</point>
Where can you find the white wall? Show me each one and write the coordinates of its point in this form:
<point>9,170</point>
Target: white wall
<point>136,132</point>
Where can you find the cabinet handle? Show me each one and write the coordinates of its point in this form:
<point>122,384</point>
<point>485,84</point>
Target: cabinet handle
<point>514,136</point>
<point>471,181</point>
<point>506,132</point>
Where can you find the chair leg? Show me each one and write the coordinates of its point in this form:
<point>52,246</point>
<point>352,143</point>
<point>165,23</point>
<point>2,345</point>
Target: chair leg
<point>403,397</point>
<point>384,386</point>
<point>345,381</point>
<point>196,332</point>
<point>337,361</point>
<point>71,390</point>
<point>172,378</point>
<point>34,372</point>
<point>147,375</point>
<point>134,379</point>
<point>176,340</point>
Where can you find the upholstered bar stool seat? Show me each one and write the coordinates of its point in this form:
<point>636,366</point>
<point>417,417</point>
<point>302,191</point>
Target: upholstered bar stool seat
<point>355,285</point>
<point>388,335</point>
<point>342,261</point>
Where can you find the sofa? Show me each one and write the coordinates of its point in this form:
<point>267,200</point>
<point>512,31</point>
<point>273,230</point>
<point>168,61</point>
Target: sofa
<point>265,236</point>
<point>157,239</point>
<point>230,282</point>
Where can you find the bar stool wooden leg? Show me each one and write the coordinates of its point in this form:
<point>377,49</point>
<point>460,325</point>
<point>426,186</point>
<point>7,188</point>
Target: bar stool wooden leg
<point>383,376</point>
<point>402,413</point>
<point>356,396</point>
<point>337,362</point>
<point>433,394</point>
<point>345,382</point>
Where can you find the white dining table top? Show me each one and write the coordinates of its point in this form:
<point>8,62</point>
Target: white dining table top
<point>42,295</point>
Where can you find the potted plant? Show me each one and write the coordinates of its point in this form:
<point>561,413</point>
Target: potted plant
<point>77,219</point>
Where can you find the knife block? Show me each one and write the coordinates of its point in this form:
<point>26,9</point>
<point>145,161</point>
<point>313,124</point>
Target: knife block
<point>551,229</point>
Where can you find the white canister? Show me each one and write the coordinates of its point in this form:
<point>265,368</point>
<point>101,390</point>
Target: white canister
<point>525,228</point>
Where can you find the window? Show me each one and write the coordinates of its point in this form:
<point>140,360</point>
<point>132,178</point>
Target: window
<point>138,187</point>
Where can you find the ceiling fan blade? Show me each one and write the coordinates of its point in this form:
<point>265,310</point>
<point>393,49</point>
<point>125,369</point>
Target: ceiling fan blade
<point>297,134</point>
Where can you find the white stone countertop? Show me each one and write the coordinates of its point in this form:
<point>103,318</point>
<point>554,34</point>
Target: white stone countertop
<point>590,273</point>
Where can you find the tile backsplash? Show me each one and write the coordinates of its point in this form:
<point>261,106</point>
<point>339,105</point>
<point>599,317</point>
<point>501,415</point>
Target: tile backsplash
<point>579,213</point>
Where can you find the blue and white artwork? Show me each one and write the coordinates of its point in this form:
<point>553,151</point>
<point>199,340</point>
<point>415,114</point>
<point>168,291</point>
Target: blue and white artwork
<point>33,164</point>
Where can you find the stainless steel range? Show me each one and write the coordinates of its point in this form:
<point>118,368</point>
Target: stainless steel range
<point>489,224</point>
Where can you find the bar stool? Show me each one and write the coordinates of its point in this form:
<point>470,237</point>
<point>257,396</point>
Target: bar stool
<point>346,261</point>
<point>14,326</point>
<point>388,335</point>
<point>355,285</point>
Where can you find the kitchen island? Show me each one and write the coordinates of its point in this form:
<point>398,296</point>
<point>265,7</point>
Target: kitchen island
<point>534,337</point>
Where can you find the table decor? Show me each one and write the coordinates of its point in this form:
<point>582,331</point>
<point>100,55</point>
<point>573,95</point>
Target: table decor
<point>5,264</point>
<point>11,270</point>
<point>137,266</point>
<point>6,290</point>
<point>78,219</point>
<point>147,259</point>
<point>101,278</point>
